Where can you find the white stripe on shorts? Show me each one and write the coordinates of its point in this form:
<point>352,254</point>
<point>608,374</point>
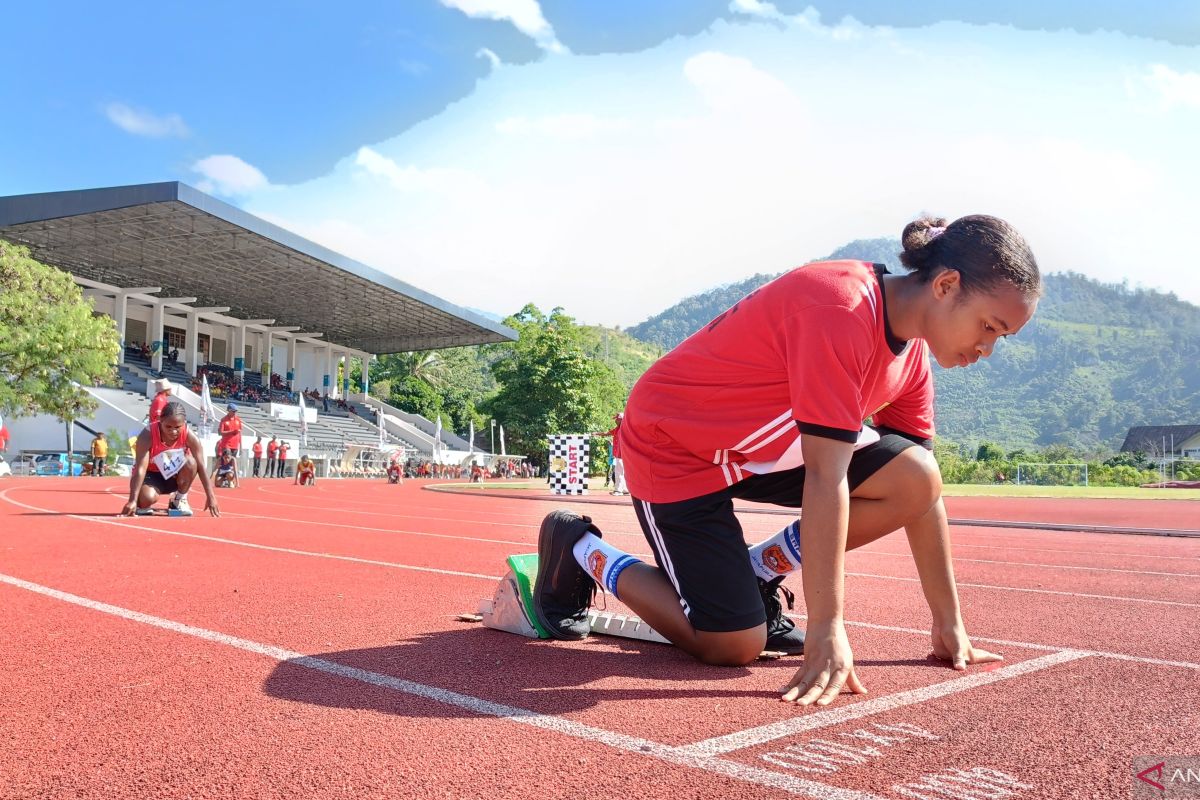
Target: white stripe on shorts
<point>667,566</point>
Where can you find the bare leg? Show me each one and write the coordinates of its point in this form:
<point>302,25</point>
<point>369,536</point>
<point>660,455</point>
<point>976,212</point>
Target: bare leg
<point>185,476</point>
<point>147,497</point>
<point>899,494</point>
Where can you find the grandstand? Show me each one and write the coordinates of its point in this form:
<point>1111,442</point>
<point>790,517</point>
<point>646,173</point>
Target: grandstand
<point>265,313</point>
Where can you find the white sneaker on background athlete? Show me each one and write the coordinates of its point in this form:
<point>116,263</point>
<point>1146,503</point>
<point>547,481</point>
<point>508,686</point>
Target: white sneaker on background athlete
<point>181,506</point>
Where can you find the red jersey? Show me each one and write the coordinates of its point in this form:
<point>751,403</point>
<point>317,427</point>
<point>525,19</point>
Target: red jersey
<point>231,432</point>
<point>808,352</point>
<point>283,448</point>
<point>272,449</point>
<point>257,449</point>
<point>157,404</point>
<point>615,433</point>
<point>167,459</point>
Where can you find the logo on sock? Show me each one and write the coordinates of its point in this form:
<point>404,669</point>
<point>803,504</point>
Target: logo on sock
<point>775,560</point>
<point>596,561</point>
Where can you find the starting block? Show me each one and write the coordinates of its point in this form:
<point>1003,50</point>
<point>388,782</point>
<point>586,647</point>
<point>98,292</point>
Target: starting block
<point>511,608</point>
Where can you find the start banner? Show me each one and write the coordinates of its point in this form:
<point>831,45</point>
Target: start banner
<point>568,462</point>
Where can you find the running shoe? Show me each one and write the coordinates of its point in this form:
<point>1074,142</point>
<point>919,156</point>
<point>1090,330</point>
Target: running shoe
<point>782,634</point>
<point>563,591</point>
<point>180,506</point>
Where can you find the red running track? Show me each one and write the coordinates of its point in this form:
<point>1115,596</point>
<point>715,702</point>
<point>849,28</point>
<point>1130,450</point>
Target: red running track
<point>304,644</point>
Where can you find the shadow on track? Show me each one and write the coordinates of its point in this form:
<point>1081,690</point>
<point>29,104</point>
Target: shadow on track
<point>546,677</point>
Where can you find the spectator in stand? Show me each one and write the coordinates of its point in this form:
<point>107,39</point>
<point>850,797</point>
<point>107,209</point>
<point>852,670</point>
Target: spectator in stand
<point>325,402</point>
<point>162,395</point>
<point>257,451</point>
<point>272,457</point>
<point>282,465</point>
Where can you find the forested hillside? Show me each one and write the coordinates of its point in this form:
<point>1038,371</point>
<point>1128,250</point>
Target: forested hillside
<point>1096,360</point>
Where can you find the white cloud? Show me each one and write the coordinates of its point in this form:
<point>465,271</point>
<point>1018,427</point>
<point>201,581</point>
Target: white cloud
<point>492,58</point>
<point>525,15</point>
<point>562,126</point>
<point>1174,88</point>
<point>229,175</point>
<point>144,123</point>
<point>616,185</point>
<point>413,180</point>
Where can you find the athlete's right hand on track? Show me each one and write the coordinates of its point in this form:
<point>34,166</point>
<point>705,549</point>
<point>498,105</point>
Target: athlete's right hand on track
<point>129,508</point>
<point>828,667</point>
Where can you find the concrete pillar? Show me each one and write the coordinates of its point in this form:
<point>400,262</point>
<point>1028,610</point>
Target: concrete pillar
<point>366,373</point>
<point>267,358</point>
<point>156,337</point>
<point>239,355</point>
<point>119,314</point>
<point>327,380</point>
<point>346,373</point>
<point>191,344</point>
<point>291,363</point>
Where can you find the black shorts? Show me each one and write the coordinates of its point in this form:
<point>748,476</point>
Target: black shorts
<point>158,483</point>
<point>699,542</point>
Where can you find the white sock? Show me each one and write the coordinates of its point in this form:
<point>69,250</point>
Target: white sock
<point>602,561</point>
<point>778,555</point>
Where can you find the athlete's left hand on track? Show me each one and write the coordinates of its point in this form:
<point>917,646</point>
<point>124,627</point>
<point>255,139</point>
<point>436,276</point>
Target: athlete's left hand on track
<point>950,643</point>
<point>210,505</point>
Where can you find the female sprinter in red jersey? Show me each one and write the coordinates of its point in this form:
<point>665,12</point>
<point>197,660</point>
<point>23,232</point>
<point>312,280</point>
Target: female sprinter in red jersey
<point>167,458</point>
<point>769,402</point>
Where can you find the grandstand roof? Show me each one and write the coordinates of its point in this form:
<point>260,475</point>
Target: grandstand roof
<point>193,245</point>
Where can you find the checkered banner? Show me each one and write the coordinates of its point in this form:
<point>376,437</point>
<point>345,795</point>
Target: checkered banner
<point>569,463</point>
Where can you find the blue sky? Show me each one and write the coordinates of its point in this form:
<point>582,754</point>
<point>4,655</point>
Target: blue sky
<point>612,156</point>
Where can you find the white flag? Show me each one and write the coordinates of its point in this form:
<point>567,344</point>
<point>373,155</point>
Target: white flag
<point>208,413</point>
<point>502,441</point>
<point>303,423</point>
<point>471,439</point>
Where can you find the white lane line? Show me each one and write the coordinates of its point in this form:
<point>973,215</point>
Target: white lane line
<point>239,543</point>
<point>959,560</point>
<point>1035,591</point>
<point>1158,662</point>
<point>1007,549</point>
<point>524,716</point>
<point>719,745</point>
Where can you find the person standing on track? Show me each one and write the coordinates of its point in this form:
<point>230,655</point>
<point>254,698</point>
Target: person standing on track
<point>162,396</point>
<point>230,429</point>
<point>768,403</point>
<point>167,458</point>
<point>257,450</point>
<point>272,456</point>
<point>281,466</point>
<point>99,454</point>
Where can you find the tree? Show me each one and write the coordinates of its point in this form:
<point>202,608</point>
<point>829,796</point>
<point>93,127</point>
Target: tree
<point>548,384</point>
<point>51,344</point>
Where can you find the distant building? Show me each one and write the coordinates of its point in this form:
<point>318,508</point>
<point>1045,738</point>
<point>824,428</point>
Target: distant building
<point>1164,441</point>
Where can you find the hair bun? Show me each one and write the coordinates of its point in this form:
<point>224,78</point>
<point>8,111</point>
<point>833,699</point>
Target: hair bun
<point>921,232</point>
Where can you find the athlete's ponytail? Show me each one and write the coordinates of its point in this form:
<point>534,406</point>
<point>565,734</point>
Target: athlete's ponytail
<point>985,251</point>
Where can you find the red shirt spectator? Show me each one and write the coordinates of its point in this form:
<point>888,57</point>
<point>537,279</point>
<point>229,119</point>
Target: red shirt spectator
<point>272,449</point>
<point>231,429</point>
<point>257,449</point>
<point>162,396</point>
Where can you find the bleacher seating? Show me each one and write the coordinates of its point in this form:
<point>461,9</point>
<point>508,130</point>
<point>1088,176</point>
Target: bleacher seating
<point>330,434</point>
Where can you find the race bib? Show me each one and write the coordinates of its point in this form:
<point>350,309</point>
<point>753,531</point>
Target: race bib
<point>170,461</point>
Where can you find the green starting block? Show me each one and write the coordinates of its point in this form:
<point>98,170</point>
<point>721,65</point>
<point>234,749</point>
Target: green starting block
<point>511,608</point>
